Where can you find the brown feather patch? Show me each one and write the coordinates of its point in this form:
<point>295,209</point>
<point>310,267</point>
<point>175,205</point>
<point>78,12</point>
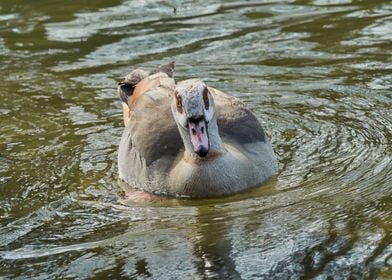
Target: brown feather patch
<point>206,99</point>
<point>142,87</point>
<point>178,102</point>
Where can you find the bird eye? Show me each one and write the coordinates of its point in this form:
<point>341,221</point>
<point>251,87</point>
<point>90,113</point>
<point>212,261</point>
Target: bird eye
<point>178,103</point>
<point>206,99</point>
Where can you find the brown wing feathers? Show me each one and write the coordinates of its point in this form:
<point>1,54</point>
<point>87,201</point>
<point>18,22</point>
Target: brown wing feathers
<point>136,83</point>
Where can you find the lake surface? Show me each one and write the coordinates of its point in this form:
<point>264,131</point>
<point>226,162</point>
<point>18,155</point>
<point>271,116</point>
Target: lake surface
<point>317,74</point>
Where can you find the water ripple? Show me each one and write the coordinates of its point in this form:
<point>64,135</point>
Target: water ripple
<point>316,74</point>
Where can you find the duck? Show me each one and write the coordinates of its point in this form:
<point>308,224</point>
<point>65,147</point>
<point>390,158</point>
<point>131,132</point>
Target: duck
<point>188,139</point>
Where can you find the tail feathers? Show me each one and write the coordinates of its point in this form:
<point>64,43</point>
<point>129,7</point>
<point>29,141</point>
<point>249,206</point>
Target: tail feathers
<point>167,69</point>
<point>125,88</point>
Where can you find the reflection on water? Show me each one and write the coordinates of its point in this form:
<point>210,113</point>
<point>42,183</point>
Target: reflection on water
<point>316,73</point>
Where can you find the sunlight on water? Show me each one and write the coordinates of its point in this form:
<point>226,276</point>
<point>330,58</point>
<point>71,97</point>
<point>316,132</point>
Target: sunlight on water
<point>315,73</point>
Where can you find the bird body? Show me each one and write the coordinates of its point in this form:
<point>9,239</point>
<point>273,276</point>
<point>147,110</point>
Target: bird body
<point>188,139</point>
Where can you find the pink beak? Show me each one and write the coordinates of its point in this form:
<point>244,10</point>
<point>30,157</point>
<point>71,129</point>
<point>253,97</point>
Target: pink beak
<point>199,137</point>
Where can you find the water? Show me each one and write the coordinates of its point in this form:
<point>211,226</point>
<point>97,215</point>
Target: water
<point>316,73</point>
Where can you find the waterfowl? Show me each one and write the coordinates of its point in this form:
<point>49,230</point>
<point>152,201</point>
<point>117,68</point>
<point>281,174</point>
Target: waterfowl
<point>188,139</point>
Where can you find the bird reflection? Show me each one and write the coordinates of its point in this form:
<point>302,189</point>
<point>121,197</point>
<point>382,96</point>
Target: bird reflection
<point>212,248</point>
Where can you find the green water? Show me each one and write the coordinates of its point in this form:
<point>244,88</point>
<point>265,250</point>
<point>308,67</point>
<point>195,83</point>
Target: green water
<point>317,74</point>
